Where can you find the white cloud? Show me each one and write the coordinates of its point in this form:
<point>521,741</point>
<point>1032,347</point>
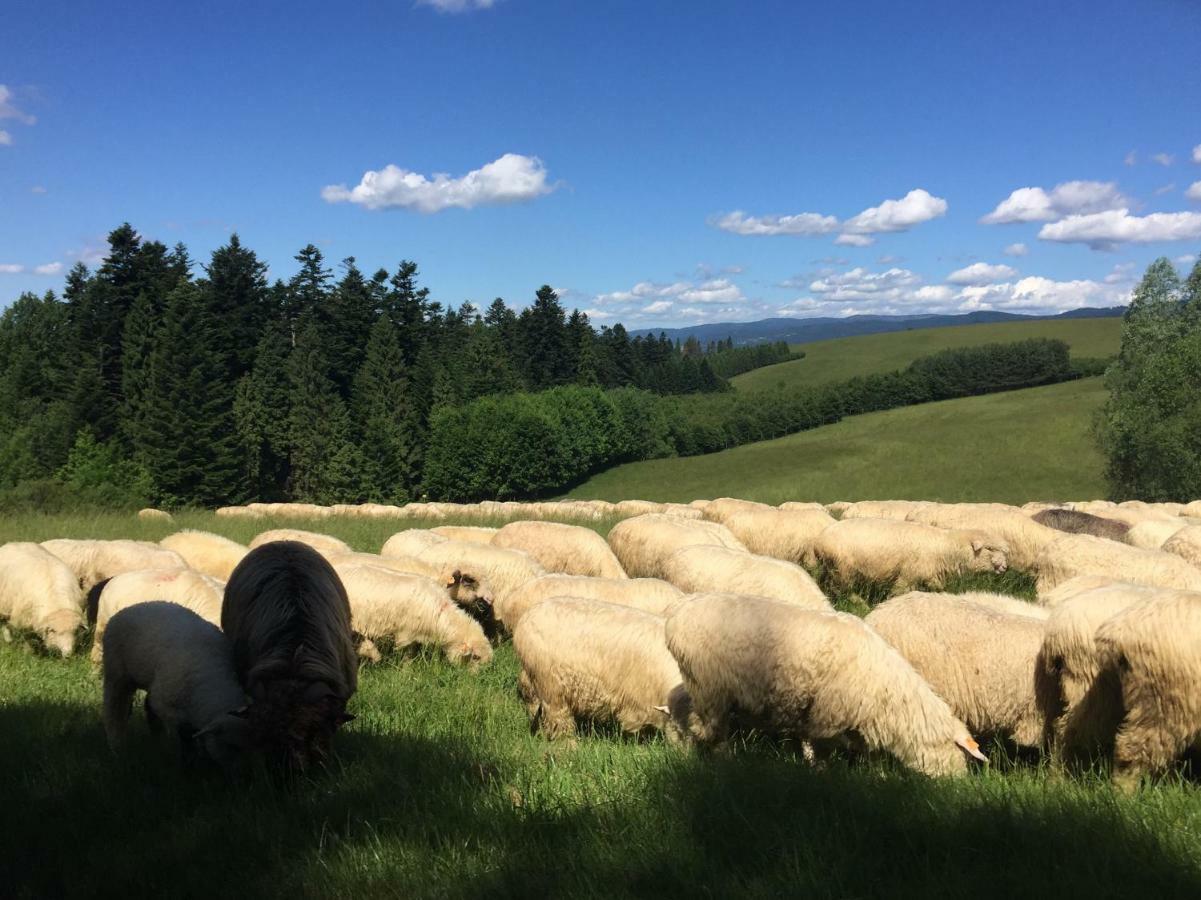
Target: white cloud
<point>718,290</point>
<point>1164,159</point>
<point>48,269</point>
<point>1187,259</point>
<point>11,269</point>
<point>804,224</point>
<point>1121,273</point>
<point>854,240</point>
<point>6,139</point>
<point>1165,189</point>
<point>1194,191</point>
<point>8,109</point>
<point>37,189</point>
<point>1131,158</point>
<point>659,306</point>
<point>981,273</point>
<point>897,215</point>
<point>1041,294</point>
<point>1197,154</point>
<point>887,260</point>
<point>1105,230</point>
<point>511,179</point>
<point>1033,204</point>
<point>860,284</point>
<point>709,299</point>
<point>1018,249</point>
<point>457,6</point>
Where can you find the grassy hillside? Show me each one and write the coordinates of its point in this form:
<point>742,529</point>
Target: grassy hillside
<point>1010,447</point>
<point>844,358</point>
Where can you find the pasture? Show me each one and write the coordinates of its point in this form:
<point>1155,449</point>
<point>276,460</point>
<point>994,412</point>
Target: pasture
<point>843,358</point>
<point>438,789</point>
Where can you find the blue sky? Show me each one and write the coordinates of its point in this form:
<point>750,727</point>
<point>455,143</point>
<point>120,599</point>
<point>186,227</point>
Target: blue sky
<point>659,163</point>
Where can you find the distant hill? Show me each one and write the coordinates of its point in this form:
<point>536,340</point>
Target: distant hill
<point>803,331</point>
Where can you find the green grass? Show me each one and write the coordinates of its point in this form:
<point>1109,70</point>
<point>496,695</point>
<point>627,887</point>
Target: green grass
<point>1009,447</point>
<point>843,358</point>
<point>438,789</point>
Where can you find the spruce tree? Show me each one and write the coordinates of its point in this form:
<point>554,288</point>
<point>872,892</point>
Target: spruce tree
<point>544,340</point>
<point>346,322</point>
<point>382,416</point>
<point>261,410</point>
<point>237,296</point>
<point>408,306</point>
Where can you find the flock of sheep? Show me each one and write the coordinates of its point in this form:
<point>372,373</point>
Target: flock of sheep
<point>693,620</point>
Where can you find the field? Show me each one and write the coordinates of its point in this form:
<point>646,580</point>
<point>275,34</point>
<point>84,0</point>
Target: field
<point>1009,447</point>
<point>843,358</point>
<point>439,790</point>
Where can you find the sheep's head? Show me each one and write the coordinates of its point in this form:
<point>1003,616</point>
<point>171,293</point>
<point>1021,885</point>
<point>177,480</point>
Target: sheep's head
<point>295,721</point>
<point>474,597</point>
<point>989,554</point>
<point>679,722</point>
<point>58,631</point>
<point>472,652</point>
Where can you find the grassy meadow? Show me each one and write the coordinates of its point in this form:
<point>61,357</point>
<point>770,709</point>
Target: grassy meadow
<point>439,790</point>
<point>843,358</point>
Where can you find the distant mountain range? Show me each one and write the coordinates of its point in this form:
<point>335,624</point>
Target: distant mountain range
<point>802,331</point>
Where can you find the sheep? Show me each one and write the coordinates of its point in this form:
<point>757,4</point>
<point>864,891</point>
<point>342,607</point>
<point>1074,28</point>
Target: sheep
<point>705,569</point>
<point>838,507</point>
<point>186,667</point>
<point>474,534</point>
<point>979,659</point>
<point>286,613</point>
<point>722,508</point>
<point>628,508</point>
<point>643,543</point>
<point>802,506</point>
<point>1075,522</point>
<point>96,561</point>
<point>682,511</point>
<point>1192,510</point>
<point>1151,647</point>
<point>153,515</point>
<point>409,565</point>
<point>211,554</point>
<point>322,543</point>
<point>1133,516</point>
<point>906,555</point>
<point>1081,554</point>
<point>1004,603</point>
<point>883,509</point>
<point>784,534</point>
<point>1186,544</point>
<point>1154,533</point>
<point>40,593</point>
<point>590,660</point>
<point>184,587</point>
<point>503,570</point>
<point>570,549</point>
<point>410,542</point>
<point>816,676</point>
<point>409,610</point>
<point>647,594</point>
<point>1024,537</point>
<point>1081,584</point>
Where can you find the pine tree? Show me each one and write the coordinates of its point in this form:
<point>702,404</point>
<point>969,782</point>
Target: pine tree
<point>408,306</point>
<point>136,346</point>
<point>236,295</point>
<point>548,358</point>
<point>307,290</point>
<point>261,411</point>
<point>349,314</point>
<point>382,415</point>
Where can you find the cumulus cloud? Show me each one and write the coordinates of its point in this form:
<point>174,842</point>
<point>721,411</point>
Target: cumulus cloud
<point>1039,294</point>
<point>1197,154</point>
<point>1165,189</point>
<point>9,110</point>
<point>860,284</point>
<point>897,215</point>
<point>1164,159</point>
<point>981,273</point>
<point>1187,259</point>
<point>1033,204</point>
<point>511,179</point>
<point>804,224</point>
<point>1105,230</point>
<point>1194,191</point>
<point>709,299</point>
<point>457,6</point>
<point>11,269</point>
<point>1121,273</point>
<point>854,240</point>
<point>48,268</point>
<point>1018,249</point>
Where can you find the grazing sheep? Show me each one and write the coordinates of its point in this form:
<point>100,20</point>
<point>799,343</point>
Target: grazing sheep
<point>722,508</point>
<point>802,506</point>
<point>838,507</point>
<point>1081,584</point>
<point>38,592</point>
<point>1186,544</point>
<point>410,542</point>
<point>643,543</point>
<point>503,570</point>
<point>1133,516</point>
<point>784,534</point>
<point>409,611</point>
<point>186,667</point>
<point>286,613</point>
<point>409,565</point>
<point>682,511</point>
<point>1154,533</point>
<point>1014,606</point>
<point>588,660</point>
<point>906,555</point>
<point>1151,649</point>
<point>647,594</point>
<point>978,658</point>
<point>211,554</point>
<point>1192,510</point>
<point>183,587</point>
<point>816,676</point>
<point>626,508</point>
<point>322,543</point>
<point>701,569</point>
<point>96,561</point>
<point>1076,522</point>
<point>570,549</point>
<point>883,509</point>
<point>1081,554</point>
<point>1024,537</point>
<point>474,534</point>
<point>154,515</point>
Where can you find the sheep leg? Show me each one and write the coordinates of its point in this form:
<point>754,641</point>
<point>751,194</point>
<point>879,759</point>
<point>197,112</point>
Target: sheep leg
<point>557,722</point>
<point>1144,748</point>
<point>118,703</point>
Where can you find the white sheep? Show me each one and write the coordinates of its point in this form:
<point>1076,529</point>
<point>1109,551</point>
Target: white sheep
<point>979,659</point>
<point>906,555</point>
<point>96,561</point>
<point>1081,584</point>
<point>802,506</point>
<point>702,569</point>
<point>821,677</point>
<point>626,508</point>
<point>785,534</point>
<point>882,509</point>
<point>212,554</point>
<point>1191,509</point>
<point>186,667</point>
<point>322,543</point>
<point>570,549</point>
<point>1153,533</point>
<point>408,565</point>
<point>409,611</point>
<point>38,592</point>
<point>1024,537</point>
<point>1006,604</point>
<point>475,534</point>
<point>1082,554</point>
<point>643,543</point>
<point>184,587</point>
<point>154,515</point>
<point>647,594</point>
<point>503,570</point>
<point>1186,543</point>
<point>585,659</point>
<point>722,508</point>
<point>410,542</point>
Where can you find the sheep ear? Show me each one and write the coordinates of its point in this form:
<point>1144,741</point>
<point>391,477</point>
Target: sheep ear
<point>972,749</point>
<point>454,578</point>
<point>662,709</point>
<point>977,545</point>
